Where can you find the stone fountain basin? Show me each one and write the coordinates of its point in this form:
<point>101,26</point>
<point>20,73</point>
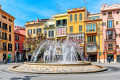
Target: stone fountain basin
<point>55,68</point>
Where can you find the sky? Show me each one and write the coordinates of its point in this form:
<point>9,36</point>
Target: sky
<point>29,10</point>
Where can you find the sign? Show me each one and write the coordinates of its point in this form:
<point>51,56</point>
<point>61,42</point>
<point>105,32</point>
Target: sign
<point>100,53</point>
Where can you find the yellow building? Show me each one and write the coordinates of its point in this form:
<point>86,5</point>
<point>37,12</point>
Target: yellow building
<point>76,25</point>
<point>93,27</point>
<point>34,27</point>
<point>6,36</point>
<point>61,27</point>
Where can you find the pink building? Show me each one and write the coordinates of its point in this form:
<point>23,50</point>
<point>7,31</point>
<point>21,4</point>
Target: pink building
<point>111,32</point>
<point>19,38</point>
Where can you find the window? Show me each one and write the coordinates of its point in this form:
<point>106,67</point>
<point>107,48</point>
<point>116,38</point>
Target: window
<point>4,46</point>
<point>9,47</point>
<point>104,23</point>
<point>16,45</point>
<point>4,26</point>
<point>51,25</point>
<point>0,24</point>
<point>45,32</point>
<point>117,12</point>
<point>80,28</point>
<point>80,16</point>
<point>39,30</point>
<point>34,31</point>
<point>71,29</point>
<point>62,22</point>
<point>16,37</point>
<point>30,31</point>
<point>117,35</point>
<point>90,27</point>
<point>10,20</point>
<point>110,35</point>
<point>110,14</point>
<point>9,28</point>
<point>4,17</point>
<point>9,37</point>
<point>51,34</point>
<point>61,31</point>
<point>91,39</point>
<point>110,24</point>
<point>117,22</point>
<point>70,17</point>
<point>104,14</point>
<point>110,46</point>
<point>4,36</point>
<point>75,16</point>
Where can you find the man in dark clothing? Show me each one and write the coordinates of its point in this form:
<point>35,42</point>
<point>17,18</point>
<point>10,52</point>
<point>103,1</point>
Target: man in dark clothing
<point>109,59</point>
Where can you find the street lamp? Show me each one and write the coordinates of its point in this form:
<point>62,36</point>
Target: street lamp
<point>99,41</point>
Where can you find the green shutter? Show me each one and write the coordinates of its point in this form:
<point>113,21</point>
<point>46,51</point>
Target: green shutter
<point>80,16</point>
<point>71,29</point>
<point>75,17</point>
<point>80,28</point>
<point>70,17</point>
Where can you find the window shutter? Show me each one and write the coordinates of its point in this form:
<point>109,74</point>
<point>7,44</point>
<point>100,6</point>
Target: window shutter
<point>113,23</point>
<point>107,23</point>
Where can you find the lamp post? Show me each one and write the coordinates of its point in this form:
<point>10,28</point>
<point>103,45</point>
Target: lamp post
<point>99,41</point>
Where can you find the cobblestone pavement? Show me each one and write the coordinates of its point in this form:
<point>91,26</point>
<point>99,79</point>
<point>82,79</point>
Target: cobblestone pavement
<point>113,73</point>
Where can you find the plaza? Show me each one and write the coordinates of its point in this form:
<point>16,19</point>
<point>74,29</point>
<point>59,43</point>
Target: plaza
<point>111,74</point>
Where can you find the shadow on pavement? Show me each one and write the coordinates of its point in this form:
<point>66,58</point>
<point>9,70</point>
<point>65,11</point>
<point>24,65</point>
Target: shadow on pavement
<point>25,78</point>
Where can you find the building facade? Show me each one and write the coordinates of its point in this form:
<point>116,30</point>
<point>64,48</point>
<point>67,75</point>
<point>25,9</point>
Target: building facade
<point>19,48</point>
<point>33,28</point>
<point>49,28</point>
<point>93,37</point>
<point>61,27</point>
<point>6,36</point>
<point>111,32</point>
<point>76,25</point>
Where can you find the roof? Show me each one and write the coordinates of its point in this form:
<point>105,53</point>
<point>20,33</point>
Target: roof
<point>7,13</point>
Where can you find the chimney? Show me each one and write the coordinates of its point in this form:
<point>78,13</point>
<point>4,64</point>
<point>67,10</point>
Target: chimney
<point>52,15</point>
<point>0,6</point>
<point>37,19</point>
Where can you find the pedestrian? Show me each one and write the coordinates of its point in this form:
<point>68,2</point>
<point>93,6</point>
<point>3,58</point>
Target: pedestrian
<point>109,59</point>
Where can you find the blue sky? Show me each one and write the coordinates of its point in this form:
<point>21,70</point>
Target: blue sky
<point>28,10</point>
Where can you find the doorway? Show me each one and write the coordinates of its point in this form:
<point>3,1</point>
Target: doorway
<point>93,58</point>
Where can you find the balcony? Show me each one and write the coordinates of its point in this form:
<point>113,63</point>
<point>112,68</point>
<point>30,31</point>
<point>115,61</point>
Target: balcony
<point>110,46</point>
<point>91,47</point>
<point>49,26</point>
<point>60,32</point>
<point>91,31</point>
<point>3,49</point>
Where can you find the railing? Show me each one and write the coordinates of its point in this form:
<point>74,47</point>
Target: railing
<point>91,47</point>
<point>91,42</point>
<point>73,9</point>
<point>3,49</point>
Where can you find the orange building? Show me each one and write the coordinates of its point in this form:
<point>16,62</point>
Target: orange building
<point>6,36</point>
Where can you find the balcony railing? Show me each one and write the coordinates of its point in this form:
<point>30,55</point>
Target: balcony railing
<point>3,49</point>
<point>91,47</point>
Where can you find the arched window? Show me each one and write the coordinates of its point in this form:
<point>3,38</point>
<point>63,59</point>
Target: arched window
<point>70,17</point>
<point>75,17</point>
<point>80,16</point>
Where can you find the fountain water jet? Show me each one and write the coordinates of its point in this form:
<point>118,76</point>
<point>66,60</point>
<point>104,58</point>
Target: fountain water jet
<point>67,62</point>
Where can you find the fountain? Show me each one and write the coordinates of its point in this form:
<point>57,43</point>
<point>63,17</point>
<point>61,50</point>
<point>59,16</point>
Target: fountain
<point>65,57</point>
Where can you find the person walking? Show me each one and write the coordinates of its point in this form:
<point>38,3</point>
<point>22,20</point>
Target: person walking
<point>109,59</point>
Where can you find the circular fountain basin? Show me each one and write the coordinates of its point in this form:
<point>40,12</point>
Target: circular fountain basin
<point>57,68</point>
